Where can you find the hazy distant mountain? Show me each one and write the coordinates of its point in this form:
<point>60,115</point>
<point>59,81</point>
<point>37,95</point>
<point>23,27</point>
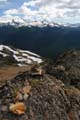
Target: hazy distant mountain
<point>17,21</point>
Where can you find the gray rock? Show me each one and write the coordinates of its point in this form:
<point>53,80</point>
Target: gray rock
<point>4,108</point>
<point>25,96</point>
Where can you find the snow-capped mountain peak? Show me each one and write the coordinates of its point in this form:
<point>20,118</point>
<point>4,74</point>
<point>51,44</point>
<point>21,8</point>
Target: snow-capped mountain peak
<point>17,56</point>
<point>18,22</point>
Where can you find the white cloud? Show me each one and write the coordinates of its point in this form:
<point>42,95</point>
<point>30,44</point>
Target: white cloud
<point>47,9</point>
<point>3,0</point>
<point>3,3</point>
<point>12,11</point>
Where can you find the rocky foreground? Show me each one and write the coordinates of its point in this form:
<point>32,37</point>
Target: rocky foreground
<point>38,95</point>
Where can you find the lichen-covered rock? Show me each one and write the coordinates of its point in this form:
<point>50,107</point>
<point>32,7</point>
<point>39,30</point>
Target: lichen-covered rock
<point>19,96</point>
<point>26,89</point>
<point>17,108</point>
<point>25,96</point>
<point>44,98</point>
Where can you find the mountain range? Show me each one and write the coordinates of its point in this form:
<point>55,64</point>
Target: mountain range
<point>17,21</point>
<point>44,38</point>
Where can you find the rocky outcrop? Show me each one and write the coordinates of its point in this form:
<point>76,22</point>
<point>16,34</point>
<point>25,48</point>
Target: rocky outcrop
<point>67,68</point>
<point>28,97</point>
<point>47,92</point>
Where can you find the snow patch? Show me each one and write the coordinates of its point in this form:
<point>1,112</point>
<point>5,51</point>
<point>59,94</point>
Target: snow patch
<point>28,52</point>
<point>15,52</point>
<point>3,54</point>
<point>1,47</point>
<point>22,57</point>
<point>35,59</point>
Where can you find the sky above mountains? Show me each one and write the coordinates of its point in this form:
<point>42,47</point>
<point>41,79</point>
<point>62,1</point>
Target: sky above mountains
<point>62,11</point>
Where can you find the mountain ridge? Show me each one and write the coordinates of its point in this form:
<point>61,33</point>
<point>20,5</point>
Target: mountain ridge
<point>17,21</point>
<point>18,57</point>
<point>44,39</point>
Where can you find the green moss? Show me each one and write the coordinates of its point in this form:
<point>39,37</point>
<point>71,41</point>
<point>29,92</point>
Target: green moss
<point>13,90</point>
<point>35,82</point>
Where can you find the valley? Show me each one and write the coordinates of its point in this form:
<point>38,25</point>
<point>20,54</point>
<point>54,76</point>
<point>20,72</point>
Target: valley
<point>47,41</point>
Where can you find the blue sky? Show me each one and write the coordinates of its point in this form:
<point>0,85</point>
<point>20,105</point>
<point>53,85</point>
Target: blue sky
<point>63,11</point>
<point>10,4</point>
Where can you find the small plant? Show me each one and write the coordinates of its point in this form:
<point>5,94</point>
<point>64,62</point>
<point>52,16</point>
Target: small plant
<point>13,90</point>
